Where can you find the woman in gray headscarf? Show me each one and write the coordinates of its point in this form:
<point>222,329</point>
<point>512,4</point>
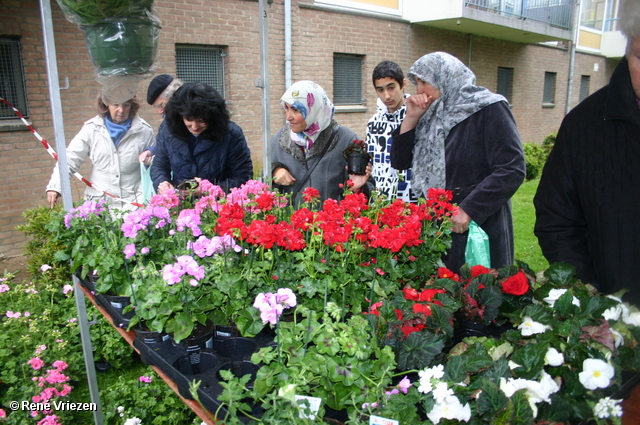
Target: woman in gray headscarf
<point>462,138</point>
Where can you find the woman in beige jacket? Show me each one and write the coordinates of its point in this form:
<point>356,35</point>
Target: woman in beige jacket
<point>113,140</point>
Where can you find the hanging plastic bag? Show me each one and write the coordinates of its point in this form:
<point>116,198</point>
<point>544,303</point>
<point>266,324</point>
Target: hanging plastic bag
<point>146,184</point>
<point>478,251</point>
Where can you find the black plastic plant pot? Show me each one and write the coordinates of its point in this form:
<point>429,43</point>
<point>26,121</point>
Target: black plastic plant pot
<point>236,348</point>
<point>127,46</point>
<point>195,344</point>
<point>239,369</point>
<point>357,163</point>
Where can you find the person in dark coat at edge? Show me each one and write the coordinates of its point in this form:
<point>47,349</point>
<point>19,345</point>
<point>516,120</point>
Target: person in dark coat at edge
<point>199,142</point>
<point>589,193</point>
<point>463,138</point>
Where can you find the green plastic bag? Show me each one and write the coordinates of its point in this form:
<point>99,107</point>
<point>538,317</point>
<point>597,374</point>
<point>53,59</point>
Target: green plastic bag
<point>146,184</point>
<point>478,251</point>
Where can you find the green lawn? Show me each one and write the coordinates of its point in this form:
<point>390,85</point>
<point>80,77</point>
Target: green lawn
<point>524,217</point>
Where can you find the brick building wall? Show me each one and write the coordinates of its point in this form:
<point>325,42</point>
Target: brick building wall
<point>317,33</point>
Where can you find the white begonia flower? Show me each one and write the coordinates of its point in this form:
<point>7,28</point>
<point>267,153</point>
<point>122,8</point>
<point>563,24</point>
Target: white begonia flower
<point>553,357</point>
<point>632,319</point>
<point>528,327</point>
<point>554,294</point>
<point>450,408</point>
<point>595,374</point>
<point>120,409</point>
<point>607,407</point>
<point>536,391</point>
<point>618,339</point>
<point>133,421</point>
<point>441,392</point>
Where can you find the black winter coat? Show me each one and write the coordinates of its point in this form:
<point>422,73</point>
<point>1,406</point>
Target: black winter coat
<point>485,166</point>
<point>588,198</point>
<point>226,163</point>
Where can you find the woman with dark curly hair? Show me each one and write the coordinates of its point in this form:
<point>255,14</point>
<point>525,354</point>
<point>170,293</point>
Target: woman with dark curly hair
<point>197,140</point>
<point>113,140</point>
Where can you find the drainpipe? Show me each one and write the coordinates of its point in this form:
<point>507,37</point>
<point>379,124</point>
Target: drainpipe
<point>287,43</point>
<point>572,55</point>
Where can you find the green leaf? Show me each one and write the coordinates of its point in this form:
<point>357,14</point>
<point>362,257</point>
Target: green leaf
<point>491,399</point>
<point>560,274</point>
<point>418,350</point>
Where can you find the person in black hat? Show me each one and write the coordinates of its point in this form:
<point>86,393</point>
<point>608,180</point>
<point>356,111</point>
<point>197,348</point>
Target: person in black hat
<point>160,90</point>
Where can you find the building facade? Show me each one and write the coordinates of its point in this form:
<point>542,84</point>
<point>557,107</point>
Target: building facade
<point>520,48</point>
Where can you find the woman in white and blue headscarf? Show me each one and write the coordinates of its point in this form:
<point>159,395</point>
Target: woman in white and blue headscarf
<point>463,138</point>
<point>299,146</point>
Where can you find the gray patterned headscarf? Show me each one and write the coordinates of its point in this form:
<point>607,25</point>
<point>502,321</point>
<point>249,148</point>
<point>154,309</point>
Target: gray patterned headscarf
<point>459,99</point>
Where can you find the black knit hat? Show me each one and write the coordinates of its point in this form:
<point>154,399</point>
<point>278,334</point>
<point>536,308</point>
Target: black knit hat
<point>157,86</point>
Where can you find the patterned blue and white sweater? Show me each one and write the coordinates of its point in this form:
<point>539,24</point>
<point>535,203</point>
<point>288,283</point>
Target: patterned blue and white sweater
<point>393,183</point>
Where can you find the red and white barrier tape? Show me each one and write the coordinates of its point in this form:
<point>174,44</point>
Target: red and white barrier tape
<point>54,155</point>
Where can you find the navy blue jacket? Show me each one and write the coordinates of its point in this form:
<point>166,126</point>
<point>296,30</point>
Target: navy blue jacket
<point>226,163</point>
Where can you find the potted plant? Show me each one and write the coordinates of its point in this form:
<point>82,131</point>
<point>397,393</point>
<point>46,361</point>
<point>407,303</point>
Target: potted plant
<point>121,35</point>
<point>357,157</point>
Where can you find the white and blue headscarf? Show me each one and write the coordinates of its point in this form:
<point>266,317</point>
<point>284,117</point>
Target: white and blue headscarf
<point>316,109</point>
<point>459,99</point>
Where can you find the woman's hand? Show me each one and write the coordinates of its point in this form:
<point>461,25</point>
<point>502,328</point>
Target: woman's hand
<point>460,221</point>
<point>417,105</point>
<point>360,181</point>
<point>164,187</point>
<point>146,157</point>
<point>53,198</point>
<point>282,177</point>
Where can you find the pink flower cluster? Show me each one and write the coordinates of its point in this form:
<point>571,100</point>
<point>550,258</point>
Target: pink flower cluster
<point>84,211</point>
<point>53,384</point>
<point>172,273</point>
<point>255,196</point>
<point>191,219</point>
<point>205,247</point>
<point>146,379</point>
<point>272,305</point>
<point>140,219</point>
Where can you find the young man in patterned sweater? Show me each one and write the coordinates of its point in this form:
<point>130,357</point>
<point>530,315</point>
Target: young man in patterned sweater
<point>389,82</point>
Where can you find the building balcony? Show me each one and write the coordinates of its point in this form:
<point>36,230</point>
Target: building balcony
<point>521,21</point>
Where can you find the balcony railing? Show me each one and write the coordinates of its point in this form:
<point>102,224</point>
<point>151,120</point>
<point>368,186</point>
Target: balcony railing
<point>552,12</point>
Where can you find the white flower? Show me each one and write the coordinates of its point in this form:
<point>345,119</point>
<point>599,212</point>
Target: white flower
<point>513,365</point>
<point>632,319</point>
<point>133,421</point>
<point>618,339</point>
<point>553,357</point>
<point>120,409</point>
<point>450,408</point>
<point>528,327</point>
<point>537,391</point>
<point>45,267</point>
<point>426,375</point>
<point>554,294</point>
<point>441,392</point>
<point>596,373</point>
<point>606,408</point>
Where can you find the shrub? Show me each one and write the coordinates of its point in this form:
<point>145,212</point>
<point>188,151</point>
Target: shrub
<point>536,155</point>
<point>41,246</point>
